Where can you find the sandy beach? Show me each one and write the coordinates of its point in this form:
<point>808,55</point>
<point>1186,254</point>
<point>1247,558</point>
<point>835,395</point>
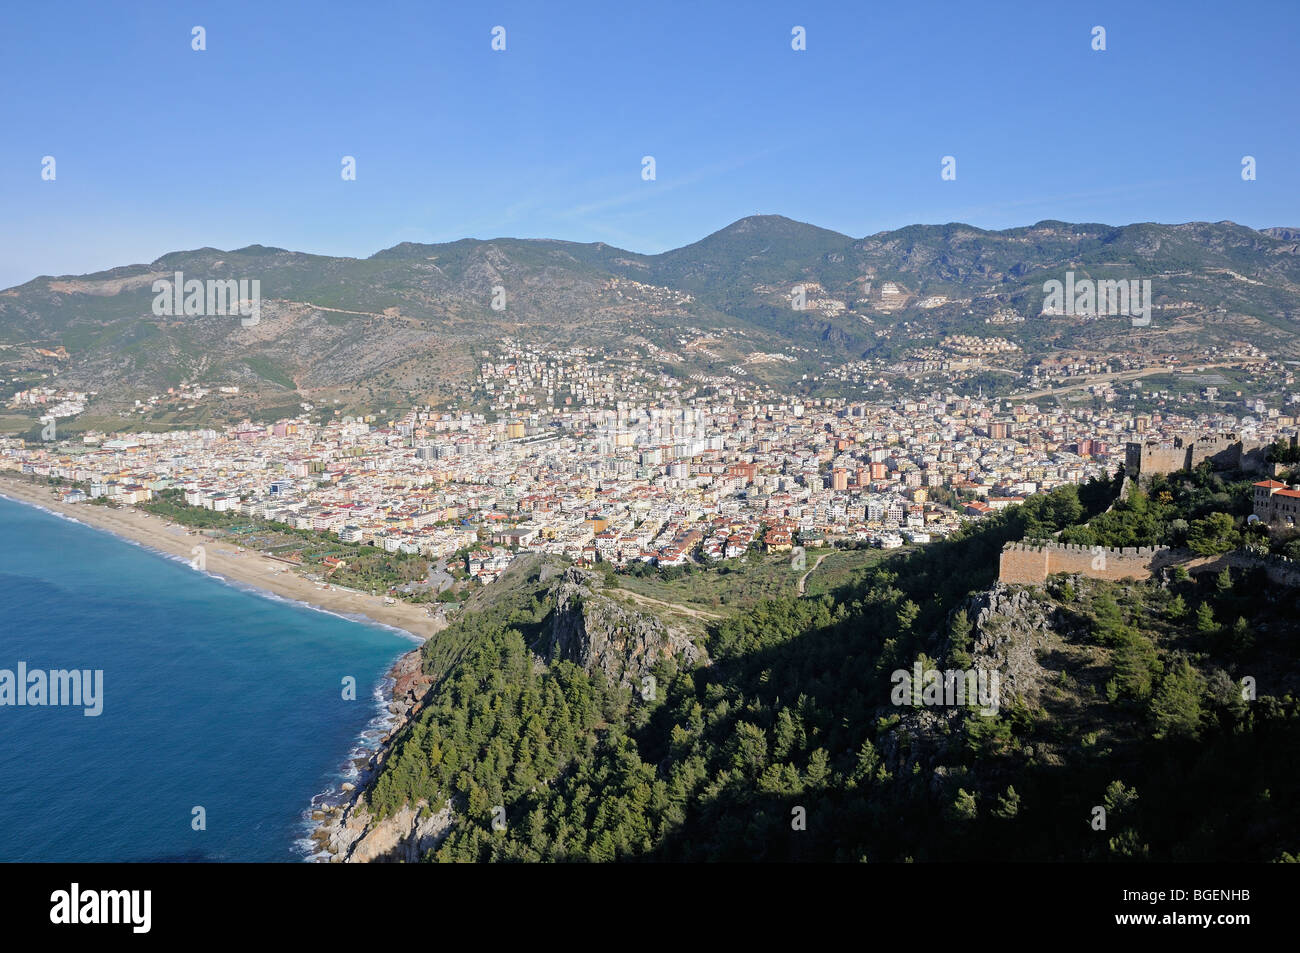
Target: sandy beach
<point>249,567</point>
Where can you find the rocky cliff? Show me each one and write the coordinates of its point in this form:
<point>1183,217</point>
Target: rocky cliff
<point>592,629</point>
<point>565,613</point>
<point>344,831</point>
<point>1010,627</point>
<point>1016,633</point>
<point>403,838</point>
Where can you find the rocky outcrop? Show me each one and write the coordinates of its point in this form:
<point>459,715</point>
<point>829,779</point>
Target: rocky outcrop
<point>352,836</point>
<point>920,736</point>
<point>410,685</point>
<point>1009,627</point>
<point>403,838</point>
<point>588,625</point>
<point>593,630</point>
<point>342,829</point>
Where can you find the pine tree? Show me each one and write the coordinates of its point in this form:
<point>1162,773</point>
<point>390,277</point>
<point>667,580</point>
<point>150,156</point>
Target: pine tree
<point>1176,707</point>
<point>1242,638</point>
<point>1008,804</point>
<point>960,633</point>
<point>818,768</point>
<point>868,760</point>
<point>1223,582</point>
<point>1177,608</point>
<point>1136,662</point>
<point>963,807</point>
<point>907,614</point>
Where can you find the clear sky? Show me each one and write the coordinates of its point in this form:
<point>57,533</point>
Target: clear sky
<point>159,147</point>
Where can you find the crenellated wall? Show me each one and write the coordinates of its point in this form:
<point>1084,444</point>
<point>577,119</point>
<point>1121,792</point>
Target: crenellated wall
<point>1032,563</point>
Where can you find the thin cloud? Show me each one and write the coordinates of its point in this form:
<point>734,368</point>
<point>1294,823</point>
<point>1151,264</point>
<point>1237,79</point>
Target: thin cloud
<point>658,188</point>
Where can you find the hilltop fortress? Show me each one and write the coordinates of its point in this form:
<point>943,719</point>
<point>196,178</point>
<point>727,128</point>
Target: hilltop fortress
<point>1225,451</point>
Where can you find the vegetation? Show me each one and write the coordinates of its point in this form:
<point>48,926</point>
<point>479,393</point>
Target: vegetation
<point>741,583</point>
<point>1200,510</point>
<point>123,355</point>
<point>1284,452</point>
<point>786,746</point>
<point>364,567</point>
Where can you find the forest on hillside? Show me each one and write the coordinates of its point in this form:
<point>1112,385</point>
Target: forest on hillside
<point>1165,708</point>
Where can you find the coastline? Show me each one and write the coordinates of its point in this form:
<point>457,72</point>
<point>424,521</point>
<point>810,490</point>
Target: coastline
<point>341,828</point>
<point>400,693</point>
<point>248,568</point>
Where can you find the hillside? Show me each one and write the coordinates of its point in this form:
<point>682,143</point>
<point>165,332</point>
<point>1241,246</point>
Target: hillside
<point>1131,720</point>
<point>409,323</point>
<point>579,648</point>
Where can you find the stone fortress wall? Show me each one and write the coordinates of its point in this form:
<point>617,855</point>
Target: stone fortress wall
<point>1032,563</point>
<point>1225,451</point>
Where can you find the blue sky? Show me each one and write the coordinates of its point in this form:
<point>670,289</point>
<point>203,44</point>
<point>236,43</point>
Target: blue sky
<point>160,148</point>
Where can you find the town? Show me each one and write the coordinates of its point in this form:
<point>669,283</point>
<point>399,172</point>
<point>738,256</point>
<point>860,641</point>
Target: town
<point>669,481</point>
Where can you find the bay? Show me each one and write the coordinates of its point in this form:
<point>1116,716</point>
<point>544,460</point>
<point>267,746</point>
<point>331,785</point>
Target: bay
<point>214,697</point>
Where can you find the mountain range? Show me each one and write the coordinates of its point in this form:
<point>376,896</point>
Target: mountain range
<point>412,322</point>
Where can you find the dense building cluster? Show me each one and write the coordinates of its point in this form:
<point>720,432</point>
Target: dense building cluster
<point>640,481</point>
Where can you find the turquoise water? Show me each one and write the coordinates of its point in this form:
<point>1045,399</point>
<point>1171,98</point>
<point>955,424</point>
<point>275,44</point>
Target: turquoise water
<point>213,696</point>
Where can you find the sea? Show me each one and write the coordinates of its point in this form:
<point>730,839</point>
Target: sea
<point>224,711</point>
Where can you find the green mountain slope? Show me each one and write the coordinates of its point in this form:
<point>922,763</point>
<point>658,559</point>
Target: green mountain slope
<point>407,322</point>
